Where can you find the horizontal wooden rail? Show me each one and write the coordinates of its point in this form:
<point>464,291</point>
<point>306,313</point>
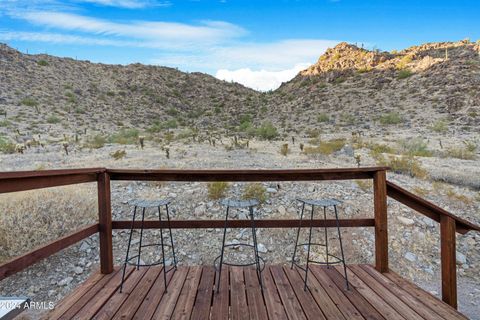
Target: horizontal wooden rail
<point>19,263</point>
<point>274,223</point>
<point>244,175</point>
<point>29,180</point>
<point>427,208</point>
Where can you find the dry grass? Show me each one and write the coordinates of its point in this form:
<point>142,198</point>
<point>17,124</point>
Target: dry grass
<point>325,147</point>
<point>450,193</point>
<point>32,218</point>
<point>255,191</point>
<point>365,185</point>
<point>405,165</point>
<point>217,190</point>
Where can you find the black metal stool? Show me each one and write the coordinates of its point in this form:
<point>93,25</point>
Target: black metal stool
<point>145,204</point>
<point>259,262</point>
<point>320,203</point>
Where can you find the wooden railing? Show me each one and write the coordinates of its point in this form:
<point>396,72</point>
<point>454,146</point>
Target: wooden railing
<point>29,180</point>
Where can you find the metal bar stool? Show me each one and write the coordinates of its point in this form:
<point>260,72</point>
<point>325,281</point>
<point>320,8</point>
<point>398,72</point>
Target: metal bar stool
<point>259,262</point>
<point>145,204</point>
<point>325,203</point>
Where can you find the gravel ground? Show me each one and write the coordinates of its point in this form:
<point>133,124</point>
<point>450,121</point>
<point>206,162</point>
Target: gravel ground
<point>414,242</point>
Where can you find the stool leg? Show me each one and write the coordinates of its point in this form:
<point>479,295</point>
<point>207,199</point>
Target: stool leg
<point>223,250</point>
<point>308,252</point>
<point>257,259</point>
<point>298,234</point>
<point>141,237</point>
<point>163,251</point>
<point>326,233</point>
<point>128,247</point>
<point>341,246</point>
<point>171,238</point>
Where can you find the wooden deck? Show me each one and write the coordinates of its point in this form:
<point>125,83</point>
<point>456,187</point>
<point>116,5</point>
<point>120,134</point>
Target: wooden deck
<point>191,295</point>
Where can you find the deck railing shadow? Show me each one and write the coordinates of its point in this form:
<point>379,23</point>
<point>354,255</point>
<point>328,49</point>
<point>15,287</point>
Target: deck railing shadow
<point>31,180</point>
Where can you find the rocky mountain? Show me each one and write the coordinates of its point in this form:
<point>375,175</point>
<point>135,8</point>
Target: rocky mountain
<point>349,87</point>
<point>419,87</point>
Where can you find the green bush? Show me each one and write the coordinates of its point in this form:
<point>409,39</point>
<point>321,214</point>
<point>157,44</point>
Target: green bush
<point>96,142</point>
<point>390,118</point>
<point>53,119</point>
<point>217,189</point>
<point>6,146</point>
<point>42,63</point>
<point>267,131</point>
<point>415,147</point>
<point>402,74</point>
<point>440,126</point>
<point>160,126</point>
<point>29,102</point>
<point>323,117</point>
<point>125,136</point>
<point>255,191</point>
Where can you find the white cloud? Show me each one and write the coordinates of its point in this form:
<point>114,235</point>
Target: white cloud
<point>262,80</point>
<point>156,33</point>
<point>129,4</point>
<point>62,38</point>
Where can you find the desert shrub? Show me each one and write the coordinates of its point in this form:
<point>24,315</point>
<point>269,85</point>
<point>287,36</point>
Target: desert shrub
<point>460,153</point>
<point>284,150</point>
<point>96,142</point>
<point>53,119</point>
<point>267,131</point>
<point>440,126</point>
<point>325,147</point>
<point>404,165</point>
<point>217,189</point>
<point>119,154</point>
<point>403,74</point>
<point>172,112</point>
<point>5,123</point>
<point>29,102</point>
<point>30,219</point>
<point>402,64</point>
<point>313,133</point>
<point>323,117</point>
<point>415,147</point>
<point>160,126</point>
<point>365,185</point>
<point>255,191</point>
<point>390,118</point>
<point>377,149</point>
<point>42,63</point>
<point>6,146</point>
<point>348,119</point>
<point>125,136</point>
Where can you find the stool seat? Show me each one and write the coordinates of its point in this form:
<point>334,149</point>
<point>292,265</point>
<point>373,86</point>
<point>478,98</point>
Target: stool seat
<point>258,261</point>
<point>239,203</point>
<point>140,206</point>
<point>330,258</point>
<point>143,203</point>
<point>321,202</point>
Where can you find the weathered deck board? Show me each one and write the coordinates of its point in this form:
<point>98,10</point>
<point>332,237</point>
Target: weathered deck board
<point>191,295</point>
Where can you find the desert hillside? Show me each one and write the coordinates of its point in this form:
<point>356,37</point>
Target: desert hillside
<point>432,87</point>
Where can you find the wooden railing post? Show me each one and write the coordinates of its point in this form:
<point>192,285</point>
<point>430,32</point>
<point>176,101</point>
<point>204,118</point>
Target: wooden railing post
<point>381,226</point>
<point>448,258</point>
<point>105,222</point>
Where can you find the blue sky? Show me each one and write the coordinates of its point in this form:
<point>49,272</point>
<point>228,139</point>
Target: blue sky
<point>258,43</point>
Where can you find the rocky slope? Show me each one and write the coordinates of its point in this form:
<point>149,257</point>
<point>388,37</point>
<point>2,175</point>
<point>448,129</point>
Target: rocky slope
<point>355,87</point>
<point>349,88</point>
